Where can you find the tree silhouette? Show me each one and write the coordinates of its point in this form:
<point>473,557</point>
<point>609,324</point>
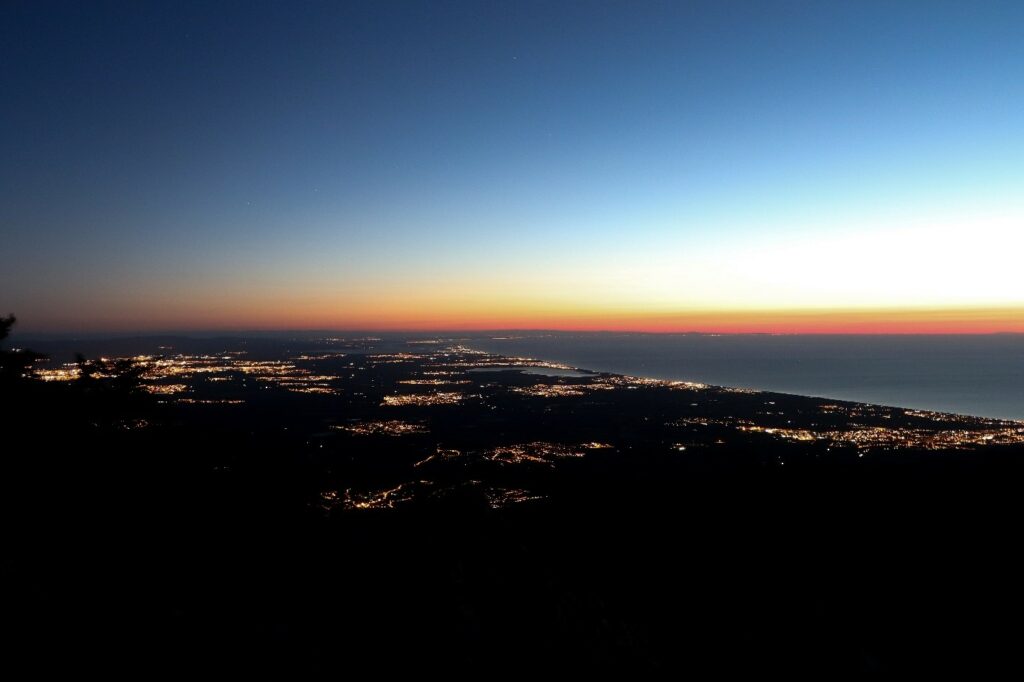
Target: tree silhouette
<point>14,365</point>
<point>122,375</point>
<point>5,326</point>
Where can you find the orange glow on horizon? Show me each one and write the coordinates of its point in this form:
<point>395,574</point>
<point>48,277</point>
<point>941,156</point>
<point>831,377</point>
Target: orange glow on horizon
<point>470,318</point>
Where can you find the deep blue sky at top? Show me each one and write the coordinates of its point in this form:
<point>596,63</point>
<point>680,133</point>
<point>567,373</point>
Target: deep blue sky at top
<point>143,143</point>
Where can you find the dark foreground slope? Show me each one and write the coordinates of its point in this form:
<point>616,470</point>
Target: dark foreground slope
<point>226,542</point>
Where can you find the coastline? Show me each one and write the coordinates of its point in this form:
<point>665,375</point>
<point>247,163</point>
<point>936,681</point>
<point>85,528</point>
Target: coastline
<point>973,377</point>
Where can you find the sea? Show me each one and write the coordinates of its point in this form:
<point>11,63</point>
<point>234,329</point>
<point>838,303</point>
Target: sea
<point>981,375</point>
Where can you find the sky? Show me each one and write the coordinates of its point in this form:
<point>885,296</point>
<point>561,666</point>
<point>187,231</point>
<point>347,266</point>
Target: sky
<point>710,166</point>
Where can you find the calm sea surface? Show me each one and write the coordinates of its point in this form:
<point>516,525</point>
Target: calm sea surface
<point>980,375</point>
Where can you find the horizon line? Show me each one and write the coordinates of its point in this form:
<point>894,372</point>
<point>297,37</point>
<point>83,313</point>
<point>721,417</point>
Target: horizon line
<point>363,332</point>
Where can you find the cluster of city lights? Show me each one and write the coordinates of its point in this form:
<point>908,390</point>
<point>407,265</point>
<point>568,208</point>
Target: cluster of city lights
<point>424,399</point>
<point>391,427</point>
<point>539,452</point>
